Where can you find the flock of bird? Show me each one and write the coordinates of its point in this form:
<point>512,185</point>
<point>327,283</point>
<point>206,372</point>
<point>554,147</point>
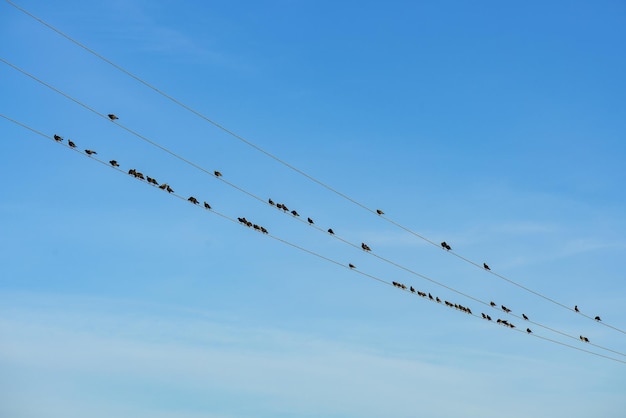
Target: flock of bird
<point>281,206</point>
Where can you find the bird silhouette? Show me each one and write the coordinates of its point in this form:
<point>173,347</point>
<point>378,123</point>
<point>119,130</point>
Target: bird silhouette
<point>112,116</point>
<point>310,221</point>
<point>295,213</point>
<point>525,317</point>
<point>488,318</point>
<point>597,318</point>
<point>493,305</point>
<point>486,266</point>
<point>528,331</point>
<point>352,266</point>
<point>430,296</point>
<point>207,206</point>
<point>217,174</point>
<point>193,200</point>
<point>380,212</point>
<point>90,152</point>
<point>114,163</point>
<point>412,290</point>
<point>330,231</point>
<point>57,138</point>
<point>169,189</point>
<point>446,246</point>
<point>365,247</point>
<point>576,308</point>
<point>270,201</point>
<point>505,309</point>
<point>437,299</point>
<point>264,230</point>
<point>71,144</point>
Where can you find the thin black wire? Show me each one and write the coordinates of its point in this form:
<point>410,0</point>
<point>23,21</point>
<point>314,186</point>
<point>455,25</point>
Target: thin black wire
<point>293,168</point>
<point>307,250</point>
<point>142,137</point>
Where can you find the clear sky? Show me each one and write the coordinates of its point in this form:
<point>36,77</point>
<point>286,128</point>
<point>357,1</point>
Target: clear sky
<point>499,127</point>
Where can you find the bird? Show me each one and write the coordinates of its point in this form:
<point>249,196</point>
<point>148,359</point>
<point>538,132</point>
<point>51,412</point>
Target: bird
<point>207,206</point>
<point>380,212</point>
<point>576,308</point>
<point>486,266</point>
<point>352,266</point>
<point>114,163</point>
<point>525,317</point>
<point>412,290</point>
<point>330,231</point>
<point>294,213</point>
<point>57,138</point>
<point>437,299</point>
<point>193,200</point>
<point>264,230</point>
<point>505,309</point>
<point>270,201</point>
<point>488,318</point>
<point>493,305</point>
<point>169,189</point>
<point>310,221</point>
<point>217,174</point>
<point>71,144</point>
<point>528,331</point>
<point>430,296</point>
<point>365,247</point>
<point>112,116</point>
<point>152,180</point>
<point>446,246</point>
<point>90,152</point>
<point>597,318</point>
<point>484,316</point>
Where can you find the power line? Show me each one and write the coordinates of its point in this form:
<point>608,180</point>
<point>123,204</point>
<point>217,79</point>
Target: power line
<point>219,177</point>
<point>297,170</point>
<point>328,259</point>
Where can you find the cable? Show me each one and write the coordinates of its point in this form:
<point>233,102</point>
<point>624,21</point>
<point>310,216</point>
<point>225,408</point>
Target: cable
<point>350,267</point>
<point>295,169</point>
<point>142,137</point>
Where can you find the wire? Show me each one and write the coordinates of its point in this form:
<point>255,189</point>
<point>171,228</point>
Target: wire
<point>422,276</point>
<point>142,137</point>
<point>349,267</point>
<point>297,170</point>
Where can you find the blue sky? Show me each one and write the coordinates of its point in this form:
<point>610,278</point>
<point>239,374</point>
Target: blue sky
<point>498,127</point>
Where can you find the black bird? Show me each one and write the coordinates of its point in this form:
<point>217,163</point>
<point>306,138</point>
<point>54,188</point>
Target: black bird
<point>57,138</point>
<point>270,201</point>
<point>217,174</point>
<point>310,221</point>
<point>486,266</point>
<point>169,189</point>
<point>330,231</point>
<point>505,309</point>
<point>264,230</point>
<point>295,213</point>
<point>437,299</point>
<point>114,163</point>
<point>493,305</point>
<point>71,144</point>
<point>528,331</point>
<point>525,317</point>
<point>576,308</point>
<point>488,318</point>
<point>380,212</point>
<point>112,116</point>
<point>352,266</point>
<point>430,296</point>
<point>484,316</point>
<point>365,247</point>
<point>412,290</point>
<point>193,200</point>
<point>90,152</point>
<point>207,206</point>
<point>597,318</point>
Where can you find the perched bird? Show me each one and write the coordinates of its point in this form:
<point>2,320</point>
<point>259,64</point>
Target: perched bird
<point>264,230</point>
<point>71,144</point>
<point>270,201</point>
<point>484,316</point>
<point>488,318</point>
<point>193,200</point>
<point>310,221</point>
<point>207,206</point>
<point>139,175</point>
<point>152,180</point>
<point>90,152</point>
<point>294,213</point>
<point>114,163</point>
<point>437,299</point>
<point>412,290</point>
<point>493,305</point>
<point>57,138</point>
<point>352,266</point>
<point>430,296</point>
<point>112,116</point>
<point>597,318</point>
<point>255,226</point>
<point>365,247</point>
<point>330,231</point>
<point>576,308</point>
<point>446,246</point>
<point>505,309</point>
<point>164,186</point>
<point>169,189</point>
<point>486,266</point>
<point>279,205</point>
<point>528,331</point>
<point>217,174</point>
<point>525,317</point>
<point>380,212</point>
